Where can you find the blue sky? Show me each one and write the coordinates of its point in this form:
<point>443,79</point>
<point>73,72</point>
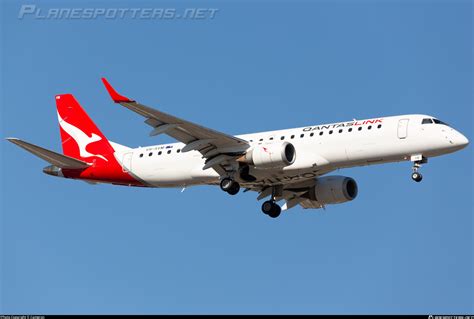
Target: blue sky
<point>400,247</point>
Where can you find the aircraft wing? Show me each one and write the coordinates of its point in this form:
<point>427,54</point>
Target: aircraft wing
<point>216,147</point>
<point>54,158</point>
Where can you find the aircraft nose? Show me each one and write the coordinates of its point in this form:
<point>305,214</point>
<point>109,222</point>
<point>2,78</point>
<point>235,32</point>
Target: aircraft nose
<point>460,140</point>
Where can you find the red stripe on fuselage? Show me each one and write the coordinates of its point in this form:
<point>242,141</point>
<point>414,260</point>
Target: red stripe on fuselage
<point>110,172</point>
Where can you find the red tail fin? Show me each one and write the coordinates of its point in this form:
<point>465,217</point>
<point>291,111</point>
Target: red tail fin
<point>80,137</point>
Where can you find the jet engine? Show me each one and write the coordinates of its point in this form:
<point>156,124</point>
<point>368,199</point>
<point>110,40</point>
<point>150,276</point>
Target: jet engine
<point>334,190</point>
<point>276,155</point>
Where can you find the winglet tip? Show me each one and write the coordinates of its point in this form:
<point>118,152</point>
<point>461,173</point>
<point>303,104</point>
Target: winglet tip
<point>117,98</point>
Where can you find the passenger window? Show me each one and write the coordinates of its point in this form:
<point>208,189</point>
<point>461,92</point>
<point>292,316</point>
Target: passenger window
<point>427,121</point>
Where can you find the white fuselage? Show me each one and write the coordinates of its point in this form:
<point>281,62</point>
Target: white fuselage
<point>319,149</point>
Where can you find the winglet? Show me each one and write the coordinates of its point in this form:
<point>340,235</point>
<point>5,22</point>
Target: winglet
<point>113,94</point>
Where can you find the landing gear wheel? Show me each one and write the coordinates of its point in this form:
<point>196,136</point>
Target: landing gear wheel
<point>417,177</point>
<point>271,209</point>
<point>230,186</point>
<point>234,188</point>
<point>226,184</point>
<point>267,207</point>
<point>275,212</point>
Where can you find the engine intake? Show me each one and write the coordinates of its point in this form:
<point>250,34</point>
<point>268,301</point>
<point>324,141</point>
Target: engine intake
<point>334,190</point>
<point>276,155</point>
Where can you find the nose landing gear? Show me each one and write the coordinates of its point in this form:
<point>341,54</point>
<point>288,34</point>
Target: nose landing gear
<point>416,176</point>
<point>417,161</point>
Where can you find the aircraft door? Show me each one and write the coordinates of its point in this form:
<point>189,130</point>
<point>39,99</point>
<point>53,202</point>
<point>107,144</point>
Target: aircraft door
<point>127,162</point>
<point>403,128</point>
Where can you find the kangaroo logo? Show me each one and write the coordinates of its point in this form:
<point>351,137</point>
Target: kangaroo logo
<point>81,138</point>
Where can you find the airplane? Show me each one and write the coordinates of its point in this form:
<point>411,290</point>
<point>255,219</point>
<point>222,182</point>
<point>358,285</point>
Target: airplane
<point>288,165</point>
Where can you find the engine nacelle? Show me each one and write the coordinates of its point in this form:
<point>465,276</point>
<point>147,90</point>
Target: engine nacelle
<point>334,190</point>
<point>271,155</point>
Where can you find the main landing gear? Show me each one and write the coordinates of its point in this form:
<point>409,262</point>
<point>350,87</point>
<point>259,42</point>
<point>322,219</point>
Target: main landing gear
<point>270,207</point>
<point>230,186</point>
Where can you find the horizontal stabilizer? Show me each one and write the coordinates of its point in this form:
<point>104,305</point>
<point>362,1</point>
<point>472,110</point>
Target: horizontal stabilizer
<point>54,158</point>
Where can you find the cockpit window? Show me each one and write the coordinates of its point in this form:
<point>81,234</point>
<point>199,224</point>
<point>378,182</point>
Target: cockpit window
<point>439,122</point>
<point>427,121</point>
<point>435,121</point>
